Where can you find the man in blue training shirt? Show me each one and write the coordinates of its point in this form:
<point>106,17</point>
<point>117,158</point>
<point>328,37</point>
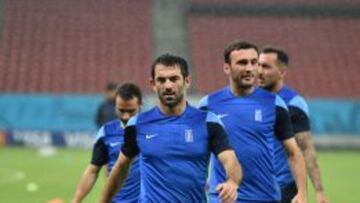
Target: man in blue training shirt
<point>273,64</point>
<point>252,117</point>
<point>128,100</point>
<point>174,141</point>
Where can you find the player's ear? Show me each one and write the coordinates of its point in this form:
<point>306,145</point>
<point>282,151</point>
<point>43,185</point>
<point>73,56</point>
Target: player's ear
<point>152,83</point>
<point>226,68</point>
<point>283,73</point>
<point>187,81</point>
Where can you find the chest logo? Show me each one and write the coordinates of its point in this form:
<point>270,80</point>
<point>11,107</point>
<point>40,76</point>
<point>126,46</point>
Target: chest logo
<point>221,116</point>
<point>189,137</point>
<point>150,136</point>
<point>114,144</point>
<point>258,115</point>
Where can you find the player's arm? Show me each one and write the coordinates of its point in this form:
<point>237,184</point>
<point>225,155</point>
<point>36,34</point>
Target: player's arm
<point>89,177</point>
<point>301,125</point>
<point>284,132</point>
<point>117,178</point>
<point>297,166</point>
<point>120,170</point>
<point>228,190</point>
<point>220,146</point>
<point>86,183</point>
<point>308,149</point>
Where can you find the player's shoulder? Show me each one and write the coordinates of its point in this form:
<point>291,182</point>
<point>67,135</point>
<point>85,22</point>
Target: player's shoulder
<point>220,93</point>
<point>143,117</point>
<point>113,127</point>
<point>204,115</point>
<point>287,93</point>
<point>216,96</point>
<point>112,123</point>
<point>292,97</point>
<point>279,102</point>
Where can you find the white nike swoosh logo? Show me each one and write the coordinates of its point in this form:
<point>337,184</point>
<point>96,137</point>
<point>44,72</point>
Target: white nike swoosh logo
<point>220,116</point>
<point>114,144</point>
<point>150,136</point>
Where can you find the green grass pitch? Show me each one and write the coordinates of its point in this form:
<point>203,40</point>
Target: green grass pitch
<point>26,176</point>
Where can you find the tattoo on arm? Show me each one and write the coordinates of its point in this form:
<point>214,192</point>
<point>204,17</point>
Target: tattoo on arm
<point>307,147</point>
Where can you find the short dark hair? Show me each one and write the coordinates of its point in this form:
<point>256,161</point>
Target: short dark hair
<point>127,91</point>
<point>110,86</point>
<point>237,45</point>
<point>171,60</point>
<point>281,54</point>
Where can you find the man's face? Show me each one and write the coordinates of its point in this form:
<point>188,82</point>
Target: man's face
<point>169,84</point>
<point>242,69</point>
<point>269,71</point>
<point>125,109</point>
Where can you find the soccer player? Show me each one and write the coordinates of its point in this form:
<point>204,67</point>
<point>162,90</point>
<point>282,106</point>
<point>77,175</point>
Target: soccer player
<point>273,64</point>
<point>128,100</point>
<point>253,119</point>
<point>174,141</point>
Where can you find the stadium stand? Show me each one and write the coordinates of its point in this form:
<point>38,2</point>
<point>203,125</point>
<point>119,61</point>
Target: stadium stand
<point>282,2</point>
<point>323,49</point>
<point>51,52</point>
<point>73,46</point>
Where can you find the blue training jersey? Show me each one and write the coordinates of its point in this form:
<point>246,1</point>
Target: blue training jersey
<point>174,152</point>
<point>251,122</point>
<point>106,151</point>
<point>299,114</point>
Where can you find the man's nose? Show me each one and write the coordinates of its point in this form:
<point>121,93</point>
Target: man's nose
<point>168,84</point>
<point>249,66</point>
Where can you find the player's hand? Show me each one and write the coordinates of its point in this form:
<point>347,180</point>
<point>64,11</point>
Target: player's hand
<point>227,191</point>
<point>299,198</point>
<point>321,198</point>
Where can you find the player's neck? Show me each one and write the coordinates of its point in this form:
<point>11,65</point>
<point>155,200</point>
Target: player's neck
<point>278,86</point>
<point>173,111</point>
<point>241,91</point>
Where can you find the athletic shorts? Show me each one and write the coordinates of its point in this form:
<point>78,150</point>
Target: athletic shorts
<point>288,192</point>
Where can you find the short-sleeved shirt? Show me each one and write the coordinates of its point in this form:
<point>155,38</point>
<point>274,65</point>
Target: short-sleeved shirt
<point>251,123</point>
<point>106,151</point>
<point>299,114</point>
<point>174,152</point>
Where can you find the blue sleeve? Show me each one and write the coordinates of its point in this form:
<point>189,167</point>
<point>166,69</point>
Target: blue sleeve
<point>300,103</point>
<point>203,103</point>
<point>130,148</point>
<point>217,134</point>
<point>280,102</point>
<point>212,117</point>
<point>100,133</point>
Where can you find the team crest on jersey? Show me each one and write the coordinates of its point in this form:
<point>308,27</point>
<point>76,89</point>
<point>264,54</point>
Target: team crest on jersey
<point>258,115</point>
<point>189,137</point>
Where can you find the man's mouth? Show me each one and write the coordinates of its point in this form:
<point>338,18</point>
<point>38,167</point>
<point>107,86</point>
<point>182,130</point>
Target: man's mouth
<point>247,77</point>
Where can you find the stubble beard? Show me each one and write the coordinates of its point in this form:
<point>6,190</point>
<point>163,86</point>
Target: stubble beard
<point>173,102</point>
